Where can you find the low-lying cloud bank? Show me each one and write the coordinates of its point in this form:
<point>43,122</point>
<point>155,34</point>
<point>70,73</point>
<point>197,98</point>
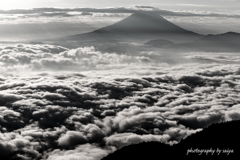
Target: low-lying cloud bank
<point>70,12</point>
<point>49,57</point>
<point>86,115</point>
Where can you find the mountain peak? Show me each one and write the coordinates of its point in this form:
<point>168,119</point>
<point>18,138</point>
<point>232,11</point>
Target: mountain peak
<point>146,15</point>
<point>144,22</point>
<point>232,33</point>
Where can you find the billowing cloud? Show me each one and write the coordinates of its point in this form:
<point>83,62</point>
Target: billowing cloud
<point>86,152</point>
<point>71,138</point>
<point>42,57</point>
<point>124,139</point>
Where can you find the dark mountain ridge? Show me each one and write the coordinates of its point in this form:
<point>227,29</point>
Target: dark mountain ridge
<point>225,42</point>
<point>221,136</point>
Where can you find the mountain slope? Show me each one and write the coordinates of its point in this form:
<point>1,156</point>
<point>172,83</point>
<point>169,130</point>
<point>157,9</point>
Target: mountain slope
<point>222,136</point>
<point>159,43</point>
<point>226,42</point>
<point>138,27</point>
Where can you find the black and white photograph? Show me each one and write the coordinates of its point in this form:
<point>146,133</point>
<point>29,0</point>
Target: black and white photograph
<point>119,80</point>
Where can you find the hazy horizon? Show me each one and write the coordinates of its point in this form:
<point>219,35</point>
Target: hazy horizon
<point>27,24</point>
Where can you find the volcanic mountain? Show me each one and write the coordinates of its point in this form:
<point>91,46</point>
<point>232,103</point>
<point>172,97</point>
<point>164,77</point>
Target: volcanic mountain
<point>141,26</point>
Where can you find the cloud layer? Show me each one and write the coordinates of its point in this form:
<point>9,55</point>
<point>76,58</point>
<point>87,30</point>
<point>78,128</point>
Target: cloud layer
<point>98,102</point>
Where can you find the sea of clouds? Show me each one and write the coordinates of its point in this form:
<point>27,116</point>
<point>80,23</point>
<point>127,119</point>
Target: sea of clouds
<point>82,104</point>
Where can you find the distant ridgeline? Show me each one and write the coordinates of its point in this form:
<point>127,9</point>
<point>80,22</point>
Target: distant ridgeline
<point>218,141</point>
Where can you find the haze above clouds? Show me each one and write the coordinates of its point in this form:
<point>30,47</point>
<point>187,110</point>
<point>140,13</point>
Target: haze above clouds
<point>26,24</point>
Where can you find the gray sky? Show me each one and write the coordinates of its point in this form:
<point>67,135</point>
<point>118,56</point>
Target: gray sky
<point>163,4</point>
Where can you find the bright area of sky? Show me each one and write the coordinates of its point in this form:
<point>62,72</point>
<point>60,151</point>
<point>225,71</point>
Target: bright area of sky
<point>163,4</point>
<point>25,26</point>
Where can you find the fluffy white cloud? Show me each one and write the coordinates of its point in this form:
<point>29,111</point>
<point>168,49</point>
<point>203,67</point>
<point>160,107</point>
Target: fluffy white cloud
<point>71,138</point>
<point>82,152</point>
<point>124,139</point>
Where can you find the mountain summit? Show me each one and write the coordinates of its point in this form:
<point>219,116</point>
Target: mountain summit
<point>141,26</point>
<point>143,23</point>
